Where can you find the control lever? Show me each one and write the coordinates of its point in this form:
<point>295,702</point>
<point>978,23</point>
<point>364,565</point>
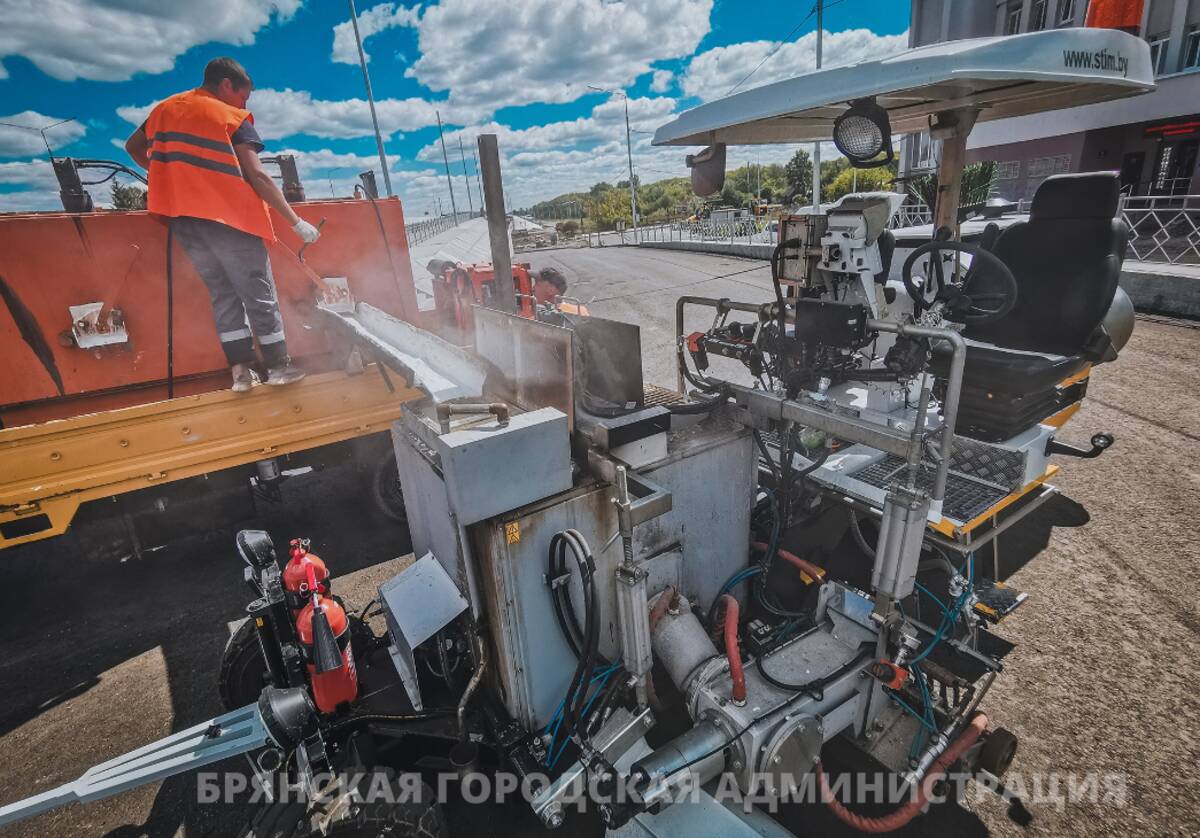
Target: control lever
<point>1100,443</point>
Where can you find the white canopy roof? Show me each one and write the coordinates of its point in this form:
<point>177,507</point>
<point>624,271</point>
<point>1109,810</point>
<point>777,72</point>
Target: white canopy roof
<point>1006,76</point>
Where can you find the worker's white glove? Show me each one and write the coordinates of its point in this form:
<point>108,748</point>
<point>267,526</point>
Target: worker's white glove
<point>306,231</point>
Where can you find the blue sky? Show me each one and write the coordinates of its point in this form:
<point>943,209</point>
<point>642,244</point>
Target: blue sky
<point>519,69</point>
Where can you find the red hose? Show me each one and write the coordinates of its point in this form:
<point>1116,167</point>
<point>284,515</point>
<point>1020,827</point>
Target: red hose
<point>902,816</point>
<point>814,572</point>
<point>731,649</point>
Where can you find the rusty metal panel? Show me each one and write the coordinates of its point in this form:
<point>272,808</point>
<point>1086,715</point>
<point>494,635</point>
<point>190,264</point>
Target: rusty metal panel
<point>52,261</point>
<point>534,360</point>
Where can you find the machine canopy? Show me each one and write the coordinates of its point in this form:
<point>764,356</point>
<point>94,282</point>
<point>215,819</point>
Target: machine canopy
<point>1005,76</point>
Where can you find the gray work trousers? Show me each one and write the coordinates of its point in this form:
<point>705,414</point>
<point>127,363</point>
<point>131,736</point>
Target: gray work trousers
<point>237,272</point>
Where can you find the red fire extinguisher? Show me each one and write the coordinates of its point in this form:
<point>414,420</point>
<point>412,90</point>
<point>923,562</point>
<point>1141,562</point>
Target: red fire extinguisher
<point>295,574</point>
<point>324,632</point>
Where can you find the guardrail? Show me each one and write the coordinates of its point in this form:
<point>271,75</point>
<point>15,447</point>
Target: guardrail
<point>1163,228</point>
<point>420,231</point>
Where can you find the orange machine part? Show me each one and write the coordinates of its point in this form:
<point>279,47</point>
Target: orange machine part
<point>1125,15</point>
<point>465,285</point>
<point>50,261</point>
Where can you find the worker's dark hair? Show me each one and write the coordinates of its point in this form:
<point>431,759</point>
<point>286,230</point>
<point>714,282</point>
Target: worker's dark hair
<point>555,278</point>
<point>225,68</point>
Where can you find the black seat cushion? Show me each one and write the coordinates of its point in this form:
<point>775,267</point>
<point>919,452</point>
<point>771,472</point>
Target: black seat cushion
<point>1002,370</point>
<point>1066,260</point>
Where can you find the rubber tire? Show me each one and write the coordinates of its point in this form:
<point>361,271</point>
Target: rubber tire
<point>386,491</point>
<point>422,819</point>
<point>240,662</point>
<point>243,657</point>
<point>998,752</point>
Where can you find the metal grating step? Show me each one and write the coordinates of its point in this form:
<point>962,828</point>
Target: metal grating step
<point>965,500</point>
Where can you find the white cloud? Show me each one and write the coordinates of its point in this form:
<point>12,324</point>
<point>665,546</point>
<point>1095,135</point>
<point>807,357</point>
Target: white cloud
<point>285,113</point>
<point>606,122</point>
<point>22,142</point>
<point>494,55</point>
<point>661,82</point>
<point>113,41</point>
<point>30,173</point>
<point>370,22</point>
<point>712,73</point>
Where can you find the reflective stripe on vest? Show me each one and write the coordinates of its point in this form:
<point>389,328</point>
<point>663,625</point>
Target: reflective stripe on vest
<point>194,170</point>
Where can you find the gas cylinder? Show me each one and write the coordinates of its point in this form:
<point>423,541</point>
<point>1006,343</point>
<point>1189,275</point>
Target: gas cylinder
<point>339,682</point>
<point>295,574</point>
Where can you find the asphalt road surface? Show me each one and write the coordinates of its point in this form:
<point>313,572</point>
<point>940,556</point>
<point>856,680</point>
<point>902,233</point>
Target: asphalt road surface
<point>101,652</point>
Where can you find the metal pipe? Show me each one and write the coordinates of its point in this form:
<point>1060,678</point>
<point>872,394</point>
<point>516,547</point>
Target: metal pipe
<point>446,410</point>
<point>472,685</point>
<point>493,196</point>
<point>958,362</point>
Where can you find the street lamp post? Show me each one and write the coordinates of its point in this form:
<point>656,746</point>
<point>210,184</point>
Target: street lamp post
<point>629,153</point>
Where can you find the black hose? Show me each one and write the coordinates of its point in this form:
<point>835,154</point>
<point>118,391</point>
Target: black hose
<point>816,686</point>
<point>586,644</point>
<point>702,406</point>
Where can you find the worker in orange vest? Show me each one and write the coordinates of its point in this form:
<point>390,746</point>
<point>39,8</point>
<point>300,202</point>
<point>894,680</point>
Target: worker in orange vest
<point>548,287</point>
<point>201,150</point>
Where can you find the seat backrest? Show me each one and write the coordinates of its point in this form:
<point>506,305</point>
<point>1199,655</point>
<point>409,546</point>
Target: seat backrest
<point>1066,260</point>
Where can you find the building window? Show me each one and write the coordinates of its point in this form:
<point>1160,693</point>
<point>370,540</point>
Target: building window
<point>1043,167</point>
<point>1158,53</point>
<point>1037,15</point>
<point>1066,11</point>
<point>1012,20</point>
<point>1191,48</point>
<point>1009,170</point>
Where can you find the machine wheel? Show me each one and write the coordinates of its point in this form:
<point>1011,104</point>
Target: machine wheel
<point>998,751</point>
<point>346,818</point>
<point>386,491</point>
<point>243,670</point>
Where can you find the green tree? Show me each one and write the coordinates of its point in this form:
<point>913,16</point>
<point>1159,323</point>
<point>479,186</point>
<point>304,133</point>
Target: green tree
<point>127,196</point>
<point>868,180</point>
<point>977,181</point>
<point>798,177</point>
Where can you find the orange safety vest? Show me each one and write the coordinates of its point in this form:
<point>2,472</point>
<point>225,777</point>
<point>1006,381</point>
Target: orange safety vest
<point>193,168</point>
<point>572,308</point>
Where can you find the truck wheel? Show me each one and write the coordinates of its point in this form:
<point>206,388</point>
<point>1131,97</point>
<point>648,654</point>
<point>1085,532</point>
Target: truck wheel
<point>243,671</point>
<point>386,491</point>
<point>395,816</point>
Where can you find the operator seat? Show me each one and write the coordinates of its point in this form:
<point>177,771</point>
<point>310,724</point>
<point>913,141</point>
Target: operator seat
<point>1066,260</point>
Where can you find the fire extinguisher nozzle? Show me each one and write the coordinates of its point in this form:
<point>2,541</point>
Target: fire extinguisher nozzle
<point>326,655</point>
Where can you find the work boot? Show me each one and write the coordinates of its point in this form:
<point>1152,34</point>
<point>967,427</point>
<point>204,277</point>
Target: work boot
<point>243,378</point>
<point>288,374</point>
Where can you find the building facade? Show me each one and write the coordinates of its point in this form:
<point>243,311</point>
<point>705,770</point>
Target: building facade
<point>1151,140</point>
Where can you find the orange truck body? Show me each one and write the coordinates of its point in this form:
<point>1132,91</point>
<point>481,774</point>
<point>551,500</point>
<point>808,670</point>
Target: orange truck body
<point>52,261</point>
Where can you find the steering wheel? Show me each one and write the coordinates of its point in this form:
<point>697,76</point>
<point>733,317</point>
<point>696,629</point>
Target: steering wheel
<point>985,304</point>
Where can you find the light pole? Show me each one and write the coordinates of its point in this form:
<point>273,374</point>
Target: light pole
<point>362,59</point>
<point>817,145</point>
<point>629,153</point>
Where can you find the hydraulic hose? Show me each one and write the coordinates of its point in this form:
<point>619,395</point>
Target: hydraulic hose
<point>903,815</point>
<point>736,672</point>
<point>814,572</point>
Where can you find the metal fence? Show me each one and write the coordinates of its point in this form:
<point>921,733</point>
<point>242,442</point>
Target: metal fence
<point>420,231</point>
<point>1163,228</point>
<point>741,231</point>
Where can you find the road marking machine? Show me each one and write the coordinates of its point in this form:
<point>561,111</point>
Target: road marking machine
<point>686,603</point>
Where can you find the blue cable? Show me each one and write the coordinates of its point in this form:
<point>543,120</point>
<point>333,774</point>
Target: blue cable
<point>598,674</point>
<point>931,595</point>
